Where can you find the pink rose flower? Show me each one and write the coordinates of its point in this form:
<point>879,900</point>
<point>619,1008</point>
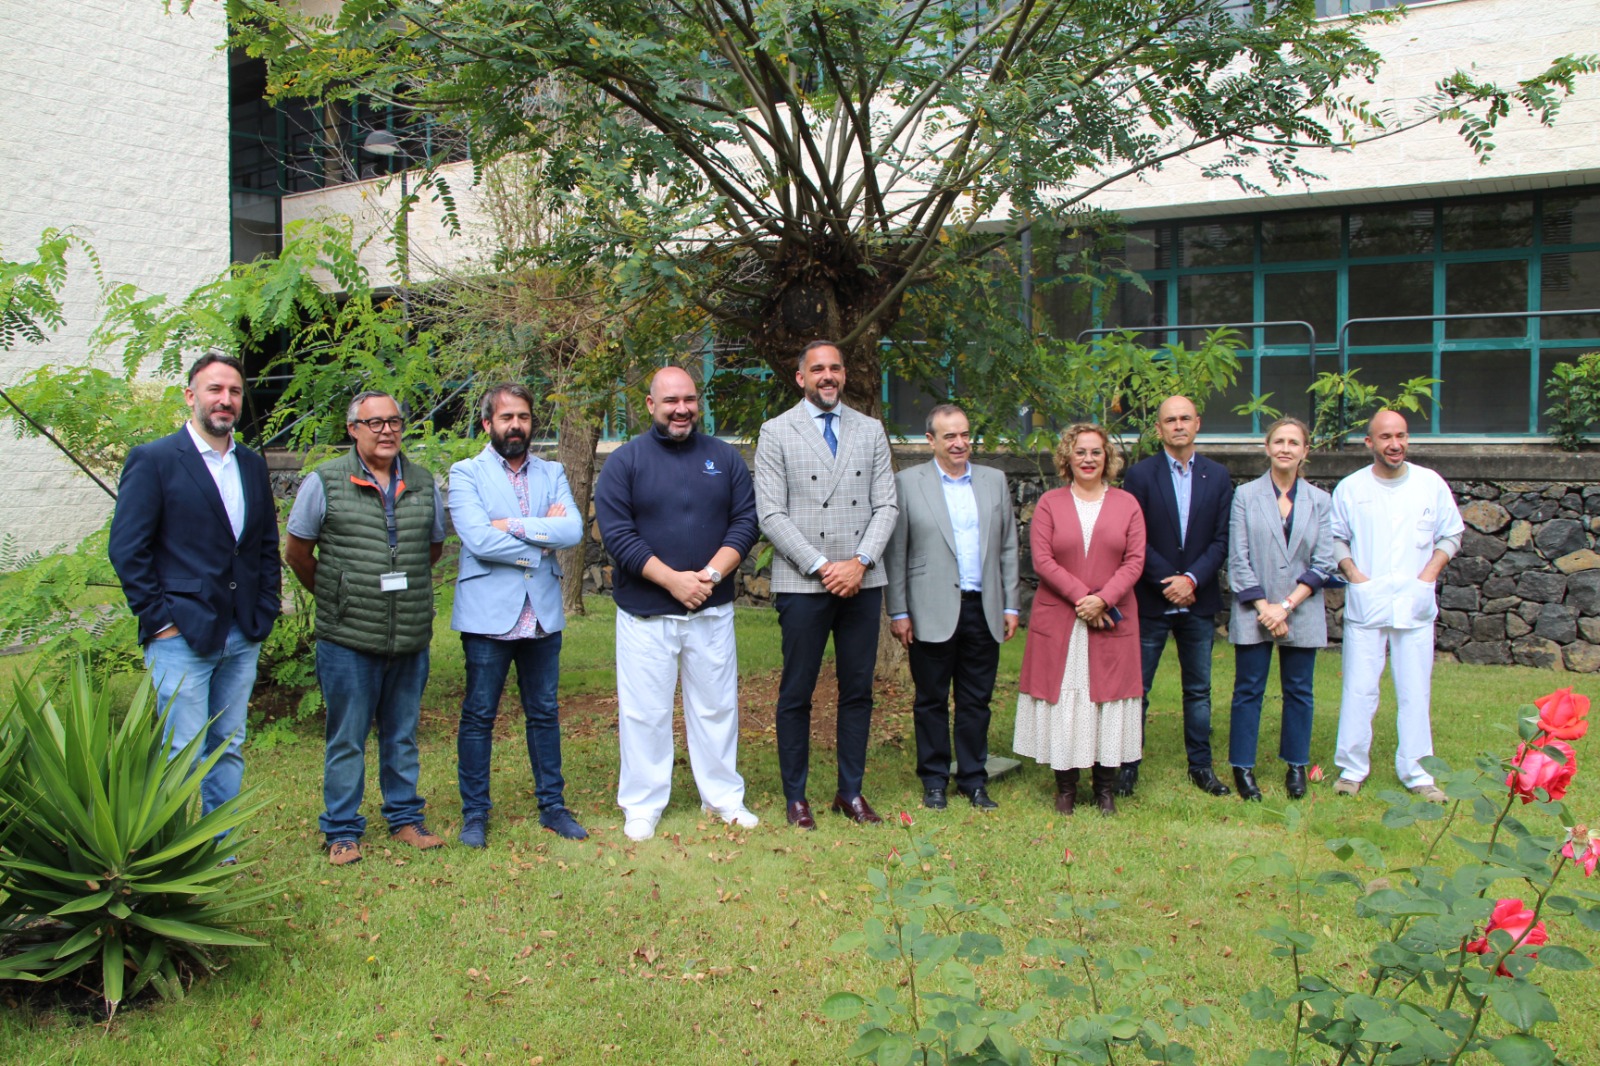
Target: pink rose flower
<point>1067,856</point>
<point>1589,857</point>
<point>905,819</point>
<point>1512,917</point>
<point>1532,769</point>
<point>1563,714</point>
<point>1315,773</point>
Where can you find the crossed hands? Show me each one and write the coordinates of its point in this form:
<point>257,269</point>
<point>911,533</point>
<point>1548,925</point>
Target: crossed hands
<point>557,510</point>
<point>1273,618</point>
<point>1178,590</point>
<point>690,587</point>
<point>1093,610</point>
<point>842,578</point>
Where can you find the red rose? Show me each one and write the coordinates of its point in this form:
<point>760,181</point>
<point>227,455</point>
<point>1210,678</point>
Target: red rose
<point>905,818</point>
<point>1532,769</point>
<point>1066,856</point>
<point>1589,857</point>
<point>1315,773</point>
<point>1511,916</point>
<point>1563,714</point>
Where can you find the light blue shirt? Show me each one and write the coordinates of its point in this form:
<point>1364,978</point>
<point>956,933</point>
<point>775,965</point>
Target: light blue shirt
<point>1183,488</point>
<point>962,503</point>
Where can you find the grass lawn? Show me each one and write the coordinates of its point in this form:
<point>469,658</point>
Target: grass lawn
<point>712,946</point>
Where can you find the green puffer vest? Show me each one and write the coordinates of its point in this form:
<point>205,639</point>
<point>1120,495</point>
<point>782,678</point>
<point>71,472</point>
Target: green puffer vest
<point>353,550</point>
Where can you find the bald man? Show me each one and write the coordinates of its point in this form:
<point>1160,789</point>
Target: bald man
<point>1187,501</point>
<point>1395,526</point>
<point>677,513</point>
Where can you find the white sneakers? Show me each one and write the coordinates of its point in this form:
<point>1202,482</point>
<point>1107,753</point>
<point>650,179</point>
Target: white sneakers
<point>639,828</point>
<point>739,816</point>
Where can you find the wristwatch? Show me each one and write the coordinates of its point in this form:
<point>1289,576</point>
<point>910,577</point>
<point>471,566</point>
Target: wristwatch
<point>1286,605</point>
<point>715,575</point>
<point>864,560</point>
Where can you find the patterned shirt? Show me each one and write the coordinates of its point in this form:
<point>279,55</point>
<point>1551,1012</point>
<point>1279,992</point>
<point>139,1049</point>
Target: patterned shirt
<point>527,626</point>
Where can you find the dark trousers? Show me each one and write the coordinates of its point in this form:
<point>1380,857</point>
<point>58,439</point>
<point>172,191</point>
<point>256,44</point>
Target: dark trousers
<point>538,663</point>
<point>1296,668</point>
<point>968,662</point>
<point>1193,634</point>
<point>807,619</point>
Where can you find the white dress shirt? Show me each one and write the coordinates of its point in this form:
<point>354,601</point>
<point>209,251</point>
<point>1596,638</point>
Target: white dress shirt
<point>224,468</point>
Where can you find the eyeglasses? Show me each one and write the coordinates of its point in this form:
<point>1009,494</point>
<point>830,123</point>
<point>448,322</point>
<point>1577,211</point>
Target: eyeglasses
<point>377,425</point>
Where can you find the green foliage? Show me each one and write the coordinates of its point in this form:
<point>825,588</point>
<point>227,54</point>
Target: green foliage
<point>1112,380</point>
<point>30,290</point>
<point>1575,391</point>
<point>1345,404</point>
<point>69,605</point>
<point>1438,988</point>
<point>108,870</point>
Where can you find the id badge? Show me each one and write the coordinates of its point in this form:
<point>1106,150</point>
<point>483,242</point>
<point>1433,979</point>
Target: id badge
<point>394,581</point>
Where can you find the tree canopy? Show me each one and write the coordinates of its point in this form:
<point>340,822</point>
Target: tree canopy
<point>794,167</point>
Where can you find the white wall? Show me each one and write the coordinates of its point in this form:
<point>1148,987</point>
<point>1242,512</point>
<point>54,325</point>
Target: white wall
<point>1500,40</point>
<point>114,122</point>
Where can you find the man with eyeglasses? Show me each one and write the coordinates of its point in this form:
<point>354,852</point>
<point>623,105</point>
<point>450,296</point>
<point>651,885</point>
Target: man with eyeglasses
<point>1187,501</point>
<point>363,535</point>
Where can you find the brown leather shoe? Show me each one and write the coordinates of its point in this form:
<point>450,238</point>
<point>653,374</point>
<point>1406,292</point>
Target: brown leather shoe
<point>800,815</point>
<point>418,836</point>
<point>344,852</point>
<point>1105,788</point>
<point>858,810</point>
<point>1066,791</point>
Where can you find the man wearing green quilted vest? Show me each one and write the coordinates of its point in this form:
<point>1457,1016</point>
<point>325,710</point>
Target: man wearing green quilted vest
<point>364,533</point>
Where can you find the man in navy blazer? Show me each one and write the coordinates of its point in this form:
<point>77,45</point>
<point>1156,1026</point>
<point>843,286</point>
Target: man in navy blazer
<point>194,540</point>
<point>1187,500</point>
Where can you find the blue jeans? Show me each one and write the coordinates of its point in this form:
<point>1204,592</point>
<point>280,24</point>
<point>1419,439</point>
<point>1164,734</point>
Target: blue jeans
<point>209,694</point>
<point>1296,667</point>
<point>538,674</point>
<point>359,689</point>
<point>1194,635</point>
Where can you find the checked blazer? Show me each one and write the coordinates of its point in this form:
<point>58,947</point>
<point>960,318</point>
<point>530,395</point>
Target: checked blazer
<point>812,503</point>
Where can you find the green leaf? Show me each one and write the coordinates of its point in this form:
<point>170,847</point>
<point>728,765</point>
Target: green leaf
<point>969,1038</point>
<point>1521,1049</point>
<point>1558,957</point>
<point>1388,1031</point>
<point>1522,1004</point>
<point>842,1006</point>
<point>867,1043</point>
<point>192,933</point>
<point>896,1050</point>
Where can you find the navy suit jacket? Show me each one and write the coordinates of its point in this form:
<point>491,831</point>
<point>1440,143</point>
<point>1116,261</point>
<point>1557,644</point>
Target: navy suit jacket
<point>1204,551</point>
<point>173,548</point>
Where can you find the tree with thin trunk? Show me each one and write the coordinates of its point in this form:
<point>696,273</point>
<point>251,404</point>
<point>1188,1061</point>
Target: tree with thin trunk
<point>794,167</point>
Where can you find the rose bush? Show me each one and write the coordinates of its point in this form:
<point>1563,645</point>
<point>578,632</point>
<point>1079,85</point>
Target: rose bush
<point>1563,715</point>
<point>1533,770</point>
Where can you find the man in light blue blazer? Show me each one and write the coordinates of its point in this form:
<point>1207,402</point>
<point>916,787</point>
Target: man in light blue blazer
<point>511,511</point>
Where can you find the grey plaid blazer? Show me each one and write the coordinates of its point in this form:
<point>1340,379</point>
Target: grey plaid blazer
<point>812,503</point>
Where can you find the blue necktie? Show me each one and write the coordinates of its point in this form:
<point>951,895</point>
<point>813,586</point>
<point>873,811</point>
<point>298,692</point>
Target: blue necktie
<point>827,432</point>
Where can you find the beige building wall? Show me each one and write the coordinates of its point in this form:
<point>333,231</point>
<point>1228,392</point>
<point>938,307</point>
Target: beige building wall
<point>114,123</point>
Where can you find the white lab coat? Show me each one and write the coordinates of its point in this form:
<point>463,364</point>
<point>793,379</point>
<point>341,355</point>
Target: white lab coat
<point>1392,531</point>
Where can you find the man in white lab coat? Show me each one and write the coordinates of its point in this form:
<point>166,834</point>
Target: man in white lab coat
<point>1395,526</point>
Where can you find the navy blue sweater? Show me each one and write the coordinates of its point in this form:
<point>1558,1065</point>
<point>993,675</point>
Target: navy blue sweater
<point>677,500</point>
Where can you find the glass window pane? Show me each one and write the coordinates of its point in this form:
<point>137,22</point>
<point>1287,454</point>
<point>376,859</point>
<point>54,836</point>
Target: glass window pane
<point>1063,309</point>
<point>1311,297</point>
<point>1485,224</point>
<point>909,404</point>
<point>1216,298</point>
<point>1300,237</point>
<point>1572,219</point>
<point>1145,248</point>
<point>1483,392</point>
<point>1131,308</point>
<point>1548,359</point>
<point>1218,244</point>
<point>1476,288</point>
<point>1570,281</point>
<point>1382,290</point>
<point>1218,416</point>
<point>1391,231</point>
<point>1387,370</point>
<point>1288,377</point>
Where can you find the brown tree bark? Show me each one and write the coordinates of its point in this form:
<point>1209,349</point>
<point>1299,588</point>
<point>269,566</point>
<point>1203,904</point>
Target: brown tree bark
<point>575,451</point>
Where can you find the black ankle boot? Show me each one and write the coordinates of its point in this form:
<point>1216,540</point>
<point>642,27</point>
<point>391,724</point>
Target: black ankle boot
<point>1244,779</point>
<point>1105,788</point>
<point>1066,791</point>
<point>1294,779</point>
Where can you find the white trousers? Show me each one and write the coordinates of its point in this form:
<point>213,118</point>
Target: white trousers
<point>1410,654</point>
<point>653,655</point>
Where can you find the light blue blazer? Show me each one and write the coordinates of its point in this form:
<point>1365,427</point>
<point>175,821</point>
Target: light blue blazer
<point>497,569</point>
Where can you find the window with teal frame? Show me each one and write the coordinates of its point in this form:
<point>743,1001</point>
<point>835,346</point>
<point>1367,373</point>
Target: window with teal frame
<point>1529,252</point>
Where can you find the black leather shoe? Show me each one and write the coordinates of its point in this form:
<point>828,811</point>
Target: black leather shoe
<point>800,815</point>
<point>1207,781</point>
<point>1294,779</point>
<point>1244,779</point>
<point>858,810</point>
<point>1127,777</point>
<point>979,798</point>
<point>934,799</point>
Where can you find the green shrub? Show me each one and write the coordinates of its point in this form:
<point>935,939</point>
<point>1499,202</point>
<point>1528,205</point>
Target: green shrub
<point>1575,388</point>
<point>106,865</point>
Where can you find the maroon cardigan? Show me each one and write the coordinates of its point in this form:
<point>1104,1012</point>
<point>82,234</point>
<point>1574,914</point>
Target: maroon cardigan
<point>1113,566</point>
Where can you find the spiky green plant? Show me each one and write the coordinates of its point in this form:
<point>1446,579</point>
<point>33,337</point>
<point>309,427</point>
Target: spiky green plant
<point>105,858</point>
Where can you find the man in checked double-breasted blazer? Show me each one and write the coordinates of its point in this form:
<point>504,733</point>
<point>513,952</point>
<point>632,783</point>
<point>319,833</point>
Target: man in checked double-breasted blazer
<point>825,497</point>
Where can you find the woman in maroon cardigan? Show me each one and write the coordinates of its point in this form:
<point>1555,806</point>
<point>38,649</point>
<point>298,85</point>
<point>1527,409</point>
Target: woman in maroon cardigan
<point>1078,703</point>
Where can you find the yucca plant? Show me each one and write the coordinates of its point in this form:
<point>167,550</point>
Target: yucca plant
<point>104,856</point>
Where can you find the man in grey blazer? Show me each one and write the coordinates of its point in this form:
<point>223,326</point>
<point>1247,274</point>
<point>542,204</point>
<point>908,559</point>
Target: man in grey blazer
<point>825,498</point>
<point>953,600</point>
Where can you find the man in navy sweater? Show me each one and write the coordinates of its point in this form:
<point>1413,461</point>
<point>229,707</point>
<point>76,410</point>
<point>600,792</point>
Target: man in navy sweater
<point>677,514</point>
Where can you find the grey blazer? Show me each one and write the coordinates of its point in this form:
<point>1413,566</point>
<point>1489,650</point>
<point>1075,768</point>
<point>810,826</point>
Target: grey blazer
<point>924,580</point>
<point>813,503</point>
<point>1261,565</point>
